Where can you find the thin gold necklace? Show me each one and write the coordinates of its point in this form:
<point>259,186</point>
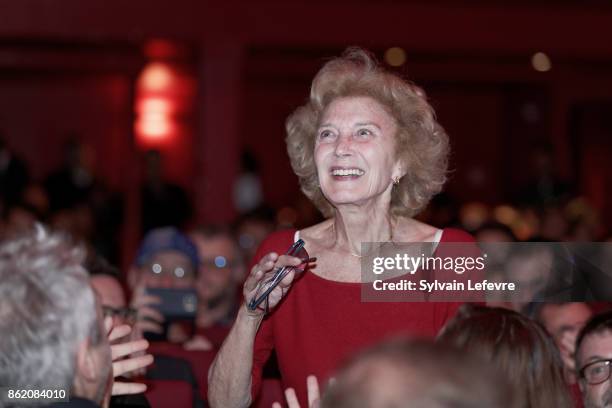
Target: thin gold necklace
<point>361,256</point>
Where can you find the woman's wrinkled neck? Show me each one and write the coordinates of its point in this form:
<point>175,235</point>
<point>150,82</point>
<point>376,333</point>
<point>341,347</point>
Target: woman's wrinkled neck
<point>353,225</point>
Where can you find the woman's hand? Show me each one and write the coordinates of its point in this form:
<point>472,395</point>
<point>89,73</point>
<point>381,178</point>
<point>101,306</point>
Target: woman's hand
<point>230,374</point>
<point>121,365</point>
<point>263,271</point>
<point>314,395</point>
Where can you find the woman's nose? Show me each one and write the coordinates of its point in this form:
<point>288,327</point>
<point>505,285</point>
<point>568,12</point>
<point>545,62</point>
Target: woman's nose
<point>343,146</point>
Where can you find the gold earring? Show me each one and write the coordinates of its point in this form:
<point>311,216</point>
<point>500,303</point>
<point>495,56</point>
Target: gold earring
<point>396,180</point>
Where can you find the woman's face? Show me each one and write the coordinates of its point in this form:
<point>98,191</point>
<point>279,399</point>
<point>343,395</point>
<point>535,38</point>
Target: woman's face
<point>355,152</point>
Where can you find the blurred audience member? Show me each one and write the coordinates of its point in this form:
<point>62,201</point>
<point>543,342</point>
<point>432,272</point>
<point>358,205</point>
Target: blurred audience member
<point>18,219</point>
<point>494,232</point>
<point>248,193</point>
<point>167,259</point>
<point>545,187</point>
<point>416,374</point>
<point>594,361</point>
<point>443,211</point>
<point>520,348</point>
<point>14,175</point>
<point>104,279</point>
<point>585,223</point>
<point>80,203</point>
<point>163,203</point>
<point>252,228</point>
<point>554,225</point>
<point>220,276</point>
<point>74,181</point>
<point>563,322</point>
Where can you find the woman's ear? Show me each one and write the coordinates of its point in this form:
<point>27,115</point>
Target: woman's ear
<point>399,171</point>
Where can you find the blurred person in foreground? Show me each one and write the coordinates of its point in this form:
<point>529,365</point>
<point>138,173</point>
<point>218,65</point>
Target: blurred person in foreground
<point>594,361</point>
<point>411,374</point>
<point>218,280</point>
<point>53,332</point>
<point>518,347</point>
<point>166,259</point>
<point>369,153</point>
<point>563,322</point>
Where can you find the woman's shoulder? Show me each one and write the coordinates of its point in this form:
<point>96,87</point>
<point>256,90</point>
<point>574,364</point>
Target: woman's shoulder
<point>456,235</point>
<point>278,241</point>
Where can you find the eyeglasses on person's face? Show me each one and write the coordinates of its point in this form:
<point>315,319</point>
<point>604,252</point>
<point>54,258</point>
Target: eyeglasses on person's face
<point>126,314</point>
<point>596,372</point>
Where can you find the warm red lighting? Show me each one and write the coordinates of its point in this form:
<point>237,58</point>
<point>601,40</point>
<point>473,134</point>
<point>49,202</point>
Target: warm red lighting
<point>162,92</point>
<point>161,49</point>
<point>155,105</point>
<point>154,126</point>
<point>156,77</point>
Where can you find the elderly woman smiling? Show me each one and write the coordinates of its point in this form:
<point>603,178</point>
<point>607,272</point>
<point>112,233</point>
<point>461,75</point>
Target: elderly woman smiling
<point>369,153</point>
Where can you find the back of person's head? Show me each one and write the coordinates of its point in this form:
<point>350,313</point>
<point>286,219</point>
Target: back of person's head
<point>519,347</point>
<point>48,316</point>
<point>417,374</point>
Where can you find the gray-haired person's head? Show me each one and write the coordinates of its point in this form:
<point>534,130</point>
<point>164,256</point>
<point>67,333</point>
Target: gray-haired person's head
<point>47,311</point>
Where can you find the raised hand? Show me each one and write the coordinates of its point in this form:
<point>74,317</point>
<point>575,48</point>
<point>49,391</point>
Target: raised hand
<point>122,365</point>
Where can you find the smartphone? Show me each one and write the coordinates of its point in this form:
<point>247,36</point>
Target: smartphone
<point>176,304</point>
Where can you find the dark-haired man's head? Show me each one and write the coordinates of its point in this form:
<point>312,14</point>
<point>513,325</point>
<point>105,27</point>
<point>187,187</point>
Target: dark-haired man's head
<point>417,374</point>
<point>594,360</point>
<point>221,268</point>
<point>104,279</point>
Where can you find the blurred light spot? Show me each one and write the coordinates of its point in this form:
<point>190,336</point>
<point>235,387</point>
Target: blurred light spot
<point>179,272</point>
<point>505,214</point>
<point>155,105</point>
<point>541,62</point>
<point>156,77</point>
<point>395,56</point>
<point>153,125</point>
<point>473,215</point>
<point>156,268</point>
<point>220,261</point>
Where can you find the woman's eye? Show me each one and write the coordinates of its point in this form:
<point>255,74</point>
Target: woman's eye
<point>364,133</point>
<point>325,134</point>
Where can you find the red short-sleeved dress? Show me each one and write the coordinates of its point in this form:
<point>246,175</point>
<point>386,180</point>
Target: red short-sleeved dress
<point>321,322</point>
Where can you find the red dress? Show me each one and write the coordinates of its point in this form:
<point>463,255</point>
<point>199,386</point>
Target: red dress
<point>321,322</point>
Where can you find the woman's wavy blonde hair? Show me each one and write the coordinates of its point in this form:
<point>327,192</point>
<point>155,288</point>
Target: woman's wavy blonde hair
<point>421,143</point>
